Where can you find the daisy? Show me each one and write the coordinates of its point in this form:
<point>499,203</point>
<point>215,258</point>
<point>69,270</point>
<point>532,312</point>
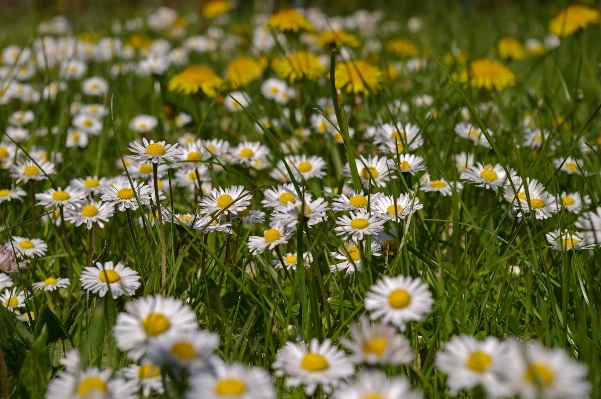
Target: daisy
<point>409,163</point>
<point>94,110</point>
<point>51,283</point>
<point>191,177</point>
<point>282,195</point>
<point>358,224</point>
<point>350,255</point>
<point>250,216</point>
<point>94,86</point>
<point>372,171</point>
<point>151,317</point>
<point>534,371</point>
<point>319,364</point>
<point>398,300</point>
<point>463,161</point>
<point>89,213</point>
<point>91,184</point>
<point>590,222</point>
<point>247,152</point>
<point>158,152</point>
<point>272,88</point>
<point>487,176</point>
<point>291,260</point>
<point>118,279</point>
<point>541,202</point>
<point>191,350</point>
<point>469,363</point>
<point>20,118</point>
<point>182,119</point>
<point>403,137</point>
<point>375,384</point>
<point>271,238</point>
<point>11,194</point>
<point>354,201</point>
<point>13,299</point>
<point>29,247</point>
<point>566,241</point>
<point>209,224</point>
<point>87,124</point>
<point>236,101</point>
<point>146,376</point>
<point>569,165</point>
<point>304,167</point>
<point>192,154</point>
<point>230,200</point>
<point>123,195</point>
<point>378,344</point>
<point>69,198</point>
<point>25,171</point>
<point>76,138</point>
<point>289,215</point>
<point>6,282</point>
<point>143,123</point>
<point>232,381</point>
<point>534,137</point>
<point>440,185</point>
<point>469,131</point>
<point>387,208</point>
<point>90,383</point>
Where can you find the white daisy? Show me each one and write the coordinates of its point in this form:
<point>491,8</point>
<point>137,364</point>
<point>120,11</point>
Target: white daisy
<point>236,101</point>
<point>375,384</point>
<point>409,163</point>
<point>192,154</point>
<point>350,255</point>
<point>569,165</point>
<point>145,170</point>
<point>51,284</point>
<point>29,247</point>
<point>69,198</point>
<point>27,170</point>
<point>250,216</point>
<point>320,364</point>
<point>289,216</point>
<point>272,88</point>
<point>77,138</point>
<point>358,224</point>
<point>5,281</point>
<point>387,208</point>
<point>11,194</point>
<point>372,171</point>
<point>439,185</point>
<point>469,363</point>
<point>463,160</point>
<point>403,137</point>
<point>398,300</point>
<point>94,86</point>
<point>209,224</point>
<point>487,176</point>
<point>13,299</point>
<point>271,238</point>
<point>248,152</point>
<point>147,376</point>
<point>304,167</point>
<point>191,178</point>
<point>91,184</point>
<point>534,138</point>
<point>90,212</point>
<point>573,202</point>
<point>123,195</point>
<point>469,131</point>
<point>143,123</point>
<point>102,278</point>
<point>566,241</point>
<point>290,261</point>
<point>87,124</point>
<point>158,152</point>
<point>151,317</point>
<point>90,383</point>
<point>282,195</point>
<point>541,202</point>
<point>230,200</point>
<point>378,344</point>
<point>191,350</point>
<point>354,201</point>
<point>182,119</point>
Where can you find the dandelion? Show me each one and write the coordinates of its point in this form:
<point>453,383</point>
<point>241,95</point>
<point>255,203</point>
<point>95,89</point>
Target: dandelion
<point>242,71</point>
<point>298,66</point>
<point>102,278</point>
<point>511,49</point>
<point>572,19</point>
<point>51,284</point>
<point>196,78</point>
<point>337,38</point>
<point>359,77</point>
<point>289,21</point>
<point>488,74</point>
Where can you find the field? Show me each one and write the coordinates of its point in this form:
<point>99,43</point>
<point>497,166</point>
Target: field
<point>226,203</point>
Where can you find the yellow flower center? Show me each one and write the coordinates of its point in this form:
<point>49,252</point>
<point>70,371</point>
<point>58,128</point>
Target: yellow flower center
<point>568,243</point>
<point>246,152</point>
<point>377,346</point>
<point>438,184</point>
<point>475,133</point>
<point>4,192</point>
<point>394,210</point>
<point>405,166</point>
<point>314,362</point>
<point>50,281</point>
<point>304,167</point>
<point>31,170</point>
<point>369,173</point>
<point>567,201</point>
<point>274,90</point>
<point>187,218</point>
<point>307,209</point>
<point>489,175</point>
<point>109,276</point>
<point>358,201</point>
<point>60,196</point>
<point>538,373</point>
<point>478,361</point>
<point>11,302</point>
<point>373,396</point>
<point>156,324</point>
<point>125,194</point>
<point>399,298</point>
<point>75,137</point>
<point>87,123</point>
<point>89,211</point>
<point>224,200</point>
<point>285,198</point>
<point>91,384</point>
<point>194,156</point>
<point>359,223</point>
<point>183,351</point>
<point>192,175</point>
<point>26,244</point>
<point>4,152</point>
<point>148,371</point>
<point>354,253</point>
<point>571,166</point>
<point>272,235</point>
<point>145,168</point>
<point>534,203</point>
<point>290,259</point>
<point>230,387</point>
<point>155,149</point>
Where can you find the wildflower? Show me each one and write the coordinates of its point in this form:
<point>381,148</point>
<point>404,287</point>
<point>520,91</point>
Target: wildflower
<point>282,195</point>
<point>87,124</point>
<point>11,194</point>
<point>320,364</point>
<point>573,202</point>
<point>76,138</point>
<point>488,74</point>
<point>122,194</point>
<point>569,165</point>
<point>469,362</point>
<point>289,215</point>
<point>398,300</point>
<point>151,317</point>
<point>191,350</point>
<point>158,152</point>
<point>290,261</point>
<point>69,198</point>
<point>510,48</point>
<point>248,152</point>
<point>208,224</point>
<point>215,8</point>
<point>298,66</point>
<point>8,260</point>
<point>402,48</point>
<point>91,184</point>
<point>94,86</point>
<point>143,123</point>
<point>272,237</point>
<point>440,185</point>
<point>358,224</point>
<point>350,255</point>
<point>51,284</point>
<point>372,171</point>
<point>196,78</point>
<point>145,170</point>
<point>29,247</point>
<point>409,163</point>
<point>5,281</point>
<point>387,208</point>
<point>146,376</point>
<point>337,38</point>
<point>487,176</point>
<point>119,279</point>
<point>306,167</point>
<point>375,384</point>
<point>230,200</point>
<point>463,161</point>
<point>21,118</point>
<point>27,170</point>
<point>236,101</point>
<point>289,21</point>
<point>90,212</point>
<point>12,299</point>
<point>90,383</point>
<point>242,71</point>
<point>566,241</point>
<point>541,202</point>
<point>470,132</point>
<point>534,137</point>
<point>572,19</point>
<point>359,77</point>
<point>354,201</point>
<point>398,138</point>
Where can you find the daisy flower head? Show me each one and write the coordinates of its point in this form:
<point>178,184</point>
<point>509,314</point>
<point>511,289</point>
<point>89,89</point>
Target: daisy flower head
<point>236,101</point>
<point>487,176</point>
<point>191,350</point>
<point>232,381</point>
<point>375,384</point>
<point>354,201</point>
<point>387,208</point>
<point>90,383</point>
<point>69,198</point>
<point>5,281</point>
<point>566,241</point>
<point>192,154</point>
<point>533,138</point>
<point>25,171</point>
<point>282,195</point>
<point>350,255</point>
<point>158,152</point>
<point>273,88</point>
<point>590,222</point>
<point>94,86</point>
<point>77,138</point>
<point>122,194</point>
<point>541,202</point>
<point>463,160</point>
<point>291,260</point>
<point>209,224</point>
<point>250,216</point>
<point>319,364</point>
<point>399,300</point>
<point>304,167</point>
<point>537,372</point>
<point>569,165</point>
<point>29,247</point>
<point>470,132</point>
<point>372,171</point>
<point>398,137</point>
<point>11,194</point>
<point>91,185</point>
<point>51,284</point>
<point>377,344</point>
<point>145,170</point>
<point>314,211</point>
<point>143,123</point>
<point>104,277</point>
<point>86,124</point>
<point>409,163</point>
<point>147,376</point>
<point>248,152</point>
<point>439,185</point>
<point>272,237</point>
<point>469,363</point>
<point>358,224</point>
<point>12,299</point>
<point>229,200</point>
<point>151,317</point>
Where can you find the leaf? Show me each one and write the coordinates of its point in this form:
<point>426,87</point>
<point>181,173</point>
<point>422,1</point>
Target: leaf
<point>53,325</point>
<point>36,369</point>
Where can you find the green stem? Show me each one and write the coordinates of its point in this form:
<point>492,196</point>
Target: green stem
<point>155,169</point>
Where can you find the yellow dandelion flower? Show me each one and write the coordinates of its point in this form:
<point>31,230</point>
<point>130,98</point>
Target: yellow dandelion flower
<point>297,66</point>
<point>511,49</point>
<point>243,70</point>
<point>215,8</point>
<point>572,19</point>
<point>358,76</point>
<point>488,74</point>
<point>290,21</point>
<point>402,48</point>
<point>337,38</point>
<point>195,78</point>
<point>138,41</point>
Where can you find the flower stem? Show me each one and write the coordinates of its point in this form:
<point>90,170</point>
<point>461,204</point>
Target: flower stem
<point>155,169</point>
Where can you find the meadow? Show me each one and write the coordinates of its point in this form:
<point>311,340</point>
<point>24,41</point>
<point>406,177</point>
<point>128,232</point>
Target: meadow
<point>359,204</point>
